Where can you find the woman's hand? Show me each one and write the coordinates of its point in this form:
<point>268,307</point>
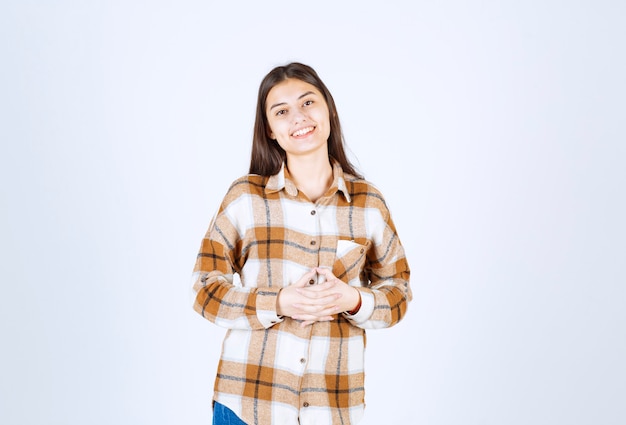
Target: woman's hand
<point>300,303</point>
<point>349,297</point>
<point>316,303</point>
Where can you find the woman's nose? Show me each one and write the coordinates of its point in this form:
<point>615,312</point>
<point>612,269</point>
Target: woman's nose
<point>298,117</point>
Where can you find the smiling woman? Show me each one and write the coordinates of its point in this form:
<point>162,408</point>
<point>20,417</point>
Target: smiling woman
<point>319,261</point>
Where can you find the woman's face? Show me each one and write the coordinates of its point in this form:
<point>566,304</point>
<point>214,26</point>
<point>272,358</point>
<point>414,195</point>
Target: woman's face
<point>298,118</point>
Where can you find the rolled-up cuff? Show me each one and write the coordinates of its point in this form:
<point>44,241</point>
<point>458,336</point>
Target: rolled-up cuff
<point>266,307</point>
<point>366,310</point>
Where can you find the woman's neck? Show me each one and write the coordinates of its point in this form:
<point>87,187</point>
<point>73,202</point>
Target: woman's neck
<point>312,176</point>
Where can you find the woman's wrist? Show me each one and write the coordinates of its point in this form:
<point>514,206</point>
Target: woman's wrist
<point>356,309</point>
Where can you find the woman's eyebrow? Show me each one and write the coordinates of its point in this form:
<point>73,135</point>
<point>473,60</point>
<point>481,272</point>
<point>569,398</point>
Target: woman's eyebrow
<point>299,97</point>
<point>305,94</point>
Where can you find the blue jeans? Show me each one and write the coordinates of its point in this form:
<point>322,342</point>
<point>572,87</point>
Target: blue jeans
<point>222,415</point>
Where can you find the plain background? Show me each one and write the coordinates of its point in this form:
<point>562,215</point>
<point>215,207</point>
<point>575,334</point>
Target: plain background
<point>495,129</point>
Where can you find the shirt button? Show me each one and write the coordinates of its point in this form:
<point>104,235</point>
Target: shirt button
<point>313,242</point>
<point>305,404</point>
<point>303,360</point>
<point>311,282</point>
<point>313,212</point>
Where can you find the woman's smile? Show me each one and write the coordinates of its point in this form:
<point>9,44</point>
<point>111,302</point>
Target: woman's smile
<point>303,131</point>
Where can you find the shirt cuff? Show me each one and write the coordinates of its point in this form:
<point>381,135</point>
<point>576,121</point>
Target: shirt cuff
<point>366,310</point>
<point>266,307</point>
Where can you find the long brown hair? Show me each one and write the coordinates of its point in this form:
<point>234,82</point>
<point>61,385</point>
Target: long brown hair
<point>267,156</point>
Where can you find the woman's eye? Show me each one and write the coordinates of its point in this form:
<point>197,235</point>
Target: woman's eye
<point>281,112</point>
<point>308,102</point>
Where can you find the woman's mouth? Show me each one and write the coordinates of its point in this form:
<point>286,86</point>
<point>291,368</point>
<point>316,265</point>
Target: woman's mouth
<point>303,131</point>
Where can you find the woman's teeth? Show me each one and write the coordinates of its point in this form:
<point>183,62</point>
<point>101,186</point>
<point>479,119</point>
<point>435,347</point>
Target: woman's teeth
<point>303,131</point>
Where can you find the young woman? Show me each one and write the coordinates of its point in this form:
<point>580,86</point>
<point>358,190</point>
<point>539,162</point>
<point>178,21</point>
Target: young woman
<point>300,259</point>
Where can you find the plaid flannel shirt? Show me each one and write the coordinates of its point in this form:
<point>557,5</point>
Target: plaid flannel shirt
<point>265,236</point>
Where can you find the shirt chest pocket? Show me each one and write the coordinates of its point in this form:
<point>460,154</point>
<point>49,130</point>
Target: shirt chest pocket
<point>350,262</point>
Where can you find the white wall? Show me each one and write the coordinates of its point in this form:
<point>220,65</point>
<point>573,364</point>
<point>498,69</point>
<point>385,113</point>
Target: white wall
<point>494,128</point>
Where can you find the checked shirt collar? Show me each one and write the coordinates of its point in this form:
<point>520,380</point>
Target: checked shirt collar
<point>282,180</point>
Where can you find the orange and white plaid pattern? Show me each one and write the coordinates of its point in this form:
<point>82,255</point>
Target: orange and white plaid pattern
<point>265,236</point>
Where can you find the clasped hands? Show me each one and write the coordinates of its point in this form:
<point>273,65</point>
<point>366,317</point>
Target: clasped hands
<point>316,303</point>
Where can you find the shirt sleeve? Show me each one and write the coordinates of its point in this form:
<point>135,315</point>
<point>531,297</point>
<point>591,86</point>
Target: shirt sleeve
<point>218,296</point>
<point>384,301</point>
